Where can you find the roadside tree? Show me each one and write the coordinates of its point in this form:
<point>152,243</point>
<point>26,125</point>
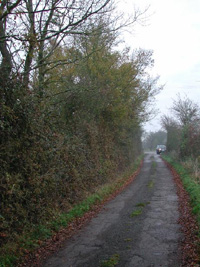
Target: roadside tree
<point>183,133</point>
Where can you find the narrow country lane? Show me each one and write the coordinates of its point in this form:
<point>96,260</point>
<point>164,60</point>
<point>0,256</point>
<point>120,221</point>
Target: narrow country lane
<point>137,228</point>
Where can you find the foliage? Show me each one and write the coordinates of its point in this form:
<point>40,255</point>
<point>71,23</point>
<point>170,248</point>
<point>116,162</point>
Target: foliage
<point>185,110</point>
<point>193,166</point>
<point>173,133</point>
<point>70,112</point>
<point>190,184</point>
<point>152,139</point>
<point>32,237</point>
<point>183,131</point>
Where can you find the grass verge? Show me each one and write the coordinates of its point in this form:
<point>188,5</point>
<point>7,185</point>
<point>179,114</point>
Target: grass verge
<point>32,238</point>
<point>189,183</point>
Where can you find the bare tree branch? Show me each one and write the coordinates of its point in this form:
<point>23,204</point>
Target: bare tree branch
<point>9,9</point>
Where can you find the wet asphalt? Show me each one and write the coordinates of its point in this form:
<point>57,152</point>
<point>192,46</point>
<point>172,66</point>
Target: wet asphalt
<point>137,228</point>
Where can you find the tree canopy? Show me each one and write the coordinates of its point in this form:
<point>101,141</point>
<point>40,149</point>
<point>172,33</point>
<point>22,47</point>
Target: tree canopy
<point>71,106</point>
<point>183,132</point>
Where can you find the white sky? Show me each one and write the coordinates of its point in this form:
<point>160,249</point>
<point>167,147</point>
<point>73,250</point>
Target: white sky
<point>172,31</point>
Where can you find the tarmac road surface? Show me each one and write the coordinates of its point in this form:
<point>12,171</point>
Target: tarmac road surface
<point>137,228</point>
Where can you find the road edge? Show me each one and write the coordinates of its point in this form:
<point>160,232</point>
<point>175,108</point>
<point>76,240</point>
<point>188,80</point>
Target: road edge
<point>57,241</point>
<point>189,245</point>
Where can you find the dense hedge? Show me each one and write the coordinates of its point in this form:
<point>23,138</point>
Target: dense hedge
<point>81,132</point>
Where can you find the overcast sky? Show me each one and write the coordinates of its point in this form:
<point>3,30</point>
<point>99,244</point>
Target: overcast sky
<point>172,31</point>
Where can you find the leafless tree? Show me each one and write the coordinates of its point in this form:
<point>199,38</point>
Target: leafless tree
<point>30,31</point>
<point>185,110</point>
<point>167,122</point>
<point>27,26</point>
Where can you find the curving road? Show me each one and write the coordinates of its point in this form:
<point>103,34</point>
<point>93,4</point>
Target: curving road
<point>138,228</point>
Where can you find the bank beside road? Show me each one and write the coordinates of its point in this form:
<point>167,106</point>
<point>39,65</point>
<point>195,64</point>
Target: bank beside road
<point>188,190</point>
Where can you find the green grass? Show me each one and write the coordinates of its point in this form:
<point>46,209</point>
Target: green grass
<point>190,185</point>
<point>150,184</point>
<point>128,239</point>
<point>113,261</point>
<point>136,213</point>
<point>140,207</point>
<point>154,165</point>
<point>8,261</point>
<point>14,251</point>
<point>142,204</point>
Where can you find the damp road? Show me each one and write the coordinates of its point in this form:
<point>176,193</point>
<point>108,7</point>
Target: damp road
<point>137,228</point>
